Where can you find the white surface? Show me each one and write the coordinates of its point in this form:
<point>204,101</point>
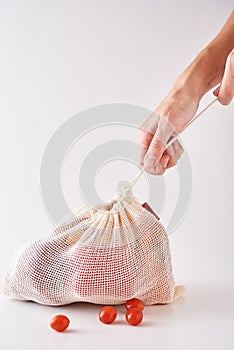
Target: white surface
<point>60,57</point>
<point>202,319</point>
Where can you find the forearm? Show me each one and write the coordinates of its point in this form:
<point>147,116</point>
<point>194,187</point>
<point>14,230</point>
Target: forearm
<point>207,69</point>
<point>181,103</point>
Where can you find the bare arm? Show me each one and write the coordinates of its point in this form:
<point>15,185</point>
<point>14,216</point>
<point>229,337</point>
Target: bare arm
<point>207,70</point>
<point>213,65</point>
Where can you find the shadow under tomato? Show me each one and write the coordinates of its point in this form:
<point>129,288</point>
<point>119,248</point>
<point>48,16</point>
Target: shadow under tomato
<point>71,331</point>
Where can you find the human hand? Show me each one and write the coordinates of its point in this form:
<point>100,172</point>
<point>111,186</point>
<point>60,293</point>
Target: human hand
<point>225,92</point>
<point>181,104</point>
<point>176,110</point>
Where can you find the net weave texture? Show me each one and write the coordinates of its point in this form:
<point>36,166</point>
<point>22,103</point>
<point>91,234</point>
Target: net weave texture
<point>105,255</point>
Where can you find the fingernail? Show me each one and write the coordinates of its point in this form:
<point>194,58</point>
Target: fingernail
<point>150,161</point>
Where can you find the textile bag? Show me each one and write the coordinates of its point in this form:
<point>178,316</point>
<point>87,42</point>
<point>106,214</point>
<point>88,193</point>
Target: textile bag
<point>105,255</point>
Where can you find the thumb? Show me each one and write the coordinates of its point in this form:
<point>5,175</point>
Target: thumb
<point>158,144</point>
<point>154,153</point>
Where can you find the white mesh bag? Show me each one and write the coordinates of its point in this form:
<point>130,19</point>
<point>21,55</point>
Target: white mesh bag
<point>105,255</point>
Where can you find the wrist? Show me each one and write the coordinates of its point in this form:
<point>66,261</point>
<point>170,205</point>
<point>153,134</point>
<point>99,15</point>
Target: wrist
<point>201,75</point>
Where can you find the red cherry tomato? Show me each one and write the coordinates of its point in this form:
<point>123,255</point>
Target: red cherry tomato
<point>134,316</point>
<point>134,303</point>
<point>107,314</point>
<point>59,323</point>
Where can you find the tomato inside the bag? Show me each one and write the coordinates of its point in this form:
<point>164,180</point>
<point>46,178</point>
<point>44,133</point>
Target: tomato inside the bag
<point>107,314</point>
<point>104,266</point>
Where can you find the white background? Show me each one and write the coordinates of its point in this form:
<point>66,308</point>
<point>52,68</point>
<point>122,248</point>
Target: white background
<point>61,57</point>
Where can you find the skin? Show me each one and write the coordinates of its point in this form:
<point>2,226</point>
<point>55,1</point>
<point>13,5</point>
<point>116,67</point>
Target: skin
<point>212,66</point>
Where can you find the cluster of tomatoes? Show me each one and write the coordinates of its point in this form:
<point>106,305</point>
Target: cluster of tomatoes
<point>134,313</point>
<point>107,315</point>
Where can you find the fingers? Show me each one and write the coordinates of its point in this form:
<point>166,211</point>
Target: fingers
<point>225,92</point>
<point>162,165</point>
<point>154,161</point>
<point>145,135</point>
<point>178,149</point>
<point>169,159</point>
<point>153,136</point>
<point>154,154</point>
<point>174,151</point>
<point>147,130</point>
<point>142,154</point>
